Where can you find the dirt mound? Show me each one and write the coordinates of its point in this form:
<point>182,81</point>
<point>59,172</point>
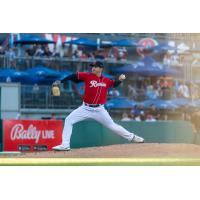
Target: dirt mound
<point>121,151</point>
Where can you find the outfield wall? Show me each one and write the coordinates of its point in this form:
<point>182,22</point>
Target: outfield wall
<point>91,133</point>
<point>36,135</point>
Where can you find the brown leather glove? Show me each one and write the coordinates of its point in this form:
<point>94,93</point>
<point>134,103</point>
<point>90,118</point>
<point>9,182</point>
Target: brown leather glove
<point>56,88</point>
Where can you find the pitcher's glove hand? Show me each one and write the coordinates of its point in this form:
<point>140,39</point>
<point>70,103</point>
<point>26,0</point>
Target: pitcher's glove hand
<point>56,88</point>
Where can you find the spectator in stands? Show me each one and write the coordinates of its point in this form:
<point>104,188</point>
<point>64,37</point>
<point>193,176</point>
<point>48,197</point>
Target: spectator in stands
<point>122,54</point>
<point>111,54</point>
<point>11,55</point>
<point>92,55</point>
<point>75,54</point>
<point>2,52</point>
<point>99,55</point>
<point>80,53</point>
<point>140,117</point>
<point>31,50</point>
<point>157,88</point>
<point>64,50</point>
<point>166,92</point>
<point>83,55</point>
<point>157,85</point>
<point>175,59</point>
<point>8,79</point>
<point>194,90</point>
<point>150,118</point>
<point>47,52</point>
<point>141,107</point>
<point>137,118</point>
<point>154,112</point>
<point>141,94</point>
<point>39,51</point>
<point>132,94</point>
<point>152,93</point>
<point>137,110</point>
<point>114,92</point>
<point>167,59</point>
<point>125,117</point>
<point>149,88</point>
<point>183,90</point>
<point>53,116</point>
<point>56,52</point>
<point>35,89</point>
<point>21,51</point>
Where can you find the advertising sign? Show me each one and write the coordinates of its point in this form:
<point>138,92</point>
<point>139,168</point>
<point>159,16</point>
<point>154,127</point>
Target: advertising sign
<point>1,136</point>
<point>147,46</point>
<point>31,135</point>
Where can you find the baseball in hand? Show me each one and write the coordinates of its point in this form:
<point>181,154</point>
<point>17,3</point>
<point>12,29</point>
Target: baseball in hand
<point>122,77</point>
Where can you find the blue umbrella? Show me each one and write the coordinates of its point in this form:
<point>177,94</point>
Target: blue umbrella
<point>88,43</point>
<point>125,43</point>
<point>163,47</point>
<point>148,67</point>
<point>64,74</point>
<point>160,104</point>
<point>13,75</point>
<point>33,39</point>
<point>82,41</point>
<point>106,44</point>
<point>80,88</point>
<point>182,102</point>
<point>43,71</point>
<point>120,102</point>
<point>43,75</point>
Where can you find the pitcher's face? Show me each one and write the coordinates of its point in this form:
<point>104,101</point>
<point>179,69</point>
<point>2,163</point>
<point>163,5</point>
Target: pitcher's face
<point>97,70</point>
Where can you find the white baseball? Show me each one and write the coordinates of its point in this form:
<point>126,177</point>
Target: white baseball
<point>122,77</point>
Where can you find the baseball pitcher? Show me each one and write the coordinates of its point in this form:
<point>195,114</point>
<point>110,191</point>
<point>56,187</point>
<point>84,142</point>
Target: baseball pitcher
<point>95,93</point>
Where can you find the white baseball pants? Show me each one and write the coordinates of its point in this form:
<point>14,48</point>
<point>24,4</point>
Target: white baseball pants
<point>99,114</point>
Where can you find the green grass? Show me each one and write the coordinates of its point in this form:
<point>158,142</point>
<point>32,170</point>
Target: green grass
<point>99,161</point>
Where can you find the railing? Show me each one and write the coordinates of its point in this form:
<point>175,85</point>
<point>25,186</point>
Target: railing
<point>42,98</point>
<point>73,64</point>
<point>23,63</point>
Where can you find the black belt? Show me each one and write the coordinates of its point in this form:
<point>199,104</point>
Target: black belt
<point>93,105</point>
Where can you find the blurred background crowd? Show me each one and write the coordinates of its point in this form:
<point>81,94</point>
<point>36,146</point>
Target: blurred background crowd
<point>162,70</point>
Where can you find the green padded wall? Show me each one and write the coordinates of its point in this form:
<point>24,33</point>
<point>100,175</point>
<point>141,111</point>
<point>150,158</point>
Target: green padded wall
<point>91,133</point>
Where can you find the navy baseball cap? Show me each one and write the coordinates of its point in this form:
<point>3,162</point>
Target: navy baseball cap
<point>97,64</point>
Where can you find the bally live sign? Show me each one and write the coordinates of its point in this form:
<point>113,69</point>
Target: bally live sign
<point>31,133</point>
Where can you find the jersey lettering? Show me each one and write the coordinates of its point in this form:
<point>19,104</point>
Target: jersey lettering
<point>94,83</point>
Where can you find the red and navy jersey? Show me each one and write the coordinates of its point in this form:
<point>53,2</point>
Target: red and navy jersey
<point>95,88</point>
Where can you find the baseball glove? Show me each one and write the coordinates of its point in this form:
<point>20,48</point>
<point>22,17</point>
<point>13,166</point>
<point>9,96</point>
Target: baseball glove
<point>56,88</point>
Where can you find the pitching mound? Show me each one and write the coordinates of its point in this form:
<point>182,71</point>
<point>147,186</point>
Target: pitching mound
<point>147,150</point>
